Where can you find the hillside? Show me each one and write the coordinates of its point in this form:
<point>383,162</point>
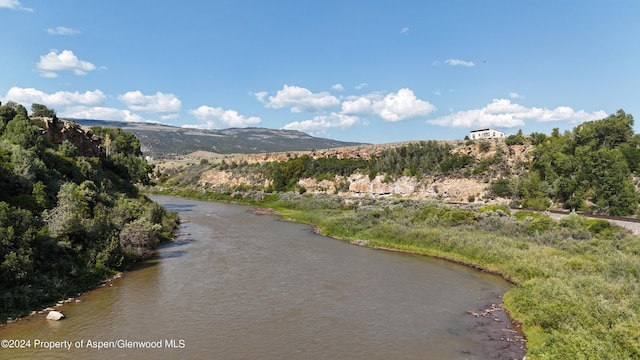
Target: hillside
<point>593,168</point>
<point>162,141</point>
<point>71,214</point>
<point>222,173</point>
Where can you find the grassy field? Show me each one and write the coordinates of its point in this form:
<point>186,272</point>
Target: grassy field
<point>577,290</point>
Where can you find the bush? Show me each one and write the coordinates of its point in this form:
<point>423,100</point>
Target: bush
<point>455,162</point>
<point>536,223</point>
<point>502,188</point>
<point>537,203</point>
<point>138,238</point>
<point>458,216</point>
<point>514,140</point>
<point>597,226</point>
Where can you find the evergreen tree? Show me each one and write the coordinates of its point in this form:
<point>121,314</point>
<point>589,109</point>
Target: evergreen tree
<point>21,132</point>
<point>39,110</point>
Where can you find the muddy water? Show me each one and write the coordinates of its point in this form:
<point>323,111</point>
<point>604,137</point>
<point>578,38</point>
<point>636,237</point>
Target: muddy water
<point>238,285</point>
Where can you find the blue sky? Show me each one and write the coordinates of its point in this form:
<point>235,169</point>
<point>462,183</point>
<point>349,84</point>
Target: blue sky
<point>369,71</point>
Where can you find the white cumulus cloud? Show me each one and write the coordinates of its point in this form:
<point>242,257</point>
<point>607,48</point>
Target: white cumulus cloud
<point>28,96</point>
<point>322,123</point>
<point>503,113</point>
<point>358,106</point>
<point>299,99</point>
<point>401,106</point>
<point>13,4</point>
<point>458,62</point>
<point>353,109</point>
<point>62,30</point>
<point>154,104</point>
<point>337,87</point>
<point>101,113</point>
<point>217,118</point>
<point>76,105</point>
<point>52,63</point>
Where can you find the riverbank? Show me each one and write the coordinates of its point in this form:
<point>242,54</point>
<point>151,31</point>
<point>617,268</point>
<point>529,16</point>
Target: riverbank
<point>60,303</point>
<point>576,277</point>
<point>491,324</point>
<point>108,281</point>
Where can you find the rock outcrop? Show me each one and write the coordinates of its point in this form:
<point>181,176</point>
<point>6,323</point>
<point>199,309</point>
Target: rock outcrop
<point>447,189</point>
<point>57,131</point>
<point>215,178</point>
<point>455,188</point>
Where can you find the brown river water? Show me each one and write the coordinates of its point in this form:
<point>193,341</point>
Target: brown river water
<point>239,285</point>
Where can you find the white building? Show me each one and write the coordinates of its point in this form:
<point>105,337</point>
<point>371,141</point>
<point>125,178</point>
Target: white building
<point>486,134</point>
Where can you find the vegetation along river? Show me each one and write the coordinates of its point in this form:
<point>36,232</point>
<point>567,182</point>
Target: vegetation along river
<point>239,285</point>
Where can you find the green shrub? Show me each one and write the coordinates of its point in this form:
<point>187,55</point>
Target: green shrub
<point>502,188</point>
<point>457,216</point>
<point>536,223</point>
<point>597,226</point>
<point>537,203</point>
<point>455,162</point>
<point>514,140</point>
<point>495,207</point>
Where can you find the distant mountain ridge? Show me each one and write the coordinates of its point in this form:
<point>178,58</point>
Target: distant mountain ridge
<point>165,141</point>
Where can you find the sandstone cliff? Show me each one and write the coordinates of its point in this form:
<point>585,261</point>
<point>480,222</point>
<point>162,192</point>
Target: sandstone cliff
<point>448,189</point>
<point>454,188</point>
<point>57,131</point>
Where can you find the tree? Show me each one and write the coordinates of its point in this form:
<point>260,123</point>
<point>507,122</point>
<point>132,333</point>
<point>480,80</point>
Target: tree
<point>67,149</point>
<point>132,168</point>
<point>537,138</point>
<point>26,165</point>
<point>502,188</point>
<point>39,110</point>
<point>21,132</point>
<point>74,206</point>
<point>39,193</point>
<point>139,237</point>
<point>7,113</point>
<point>608,174</point>
<point>119,141</point>
<point>124,154</point>
<point>514,139</point>
<point>607,133</point>
<point>21,110</point>
<point>16,239</point>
